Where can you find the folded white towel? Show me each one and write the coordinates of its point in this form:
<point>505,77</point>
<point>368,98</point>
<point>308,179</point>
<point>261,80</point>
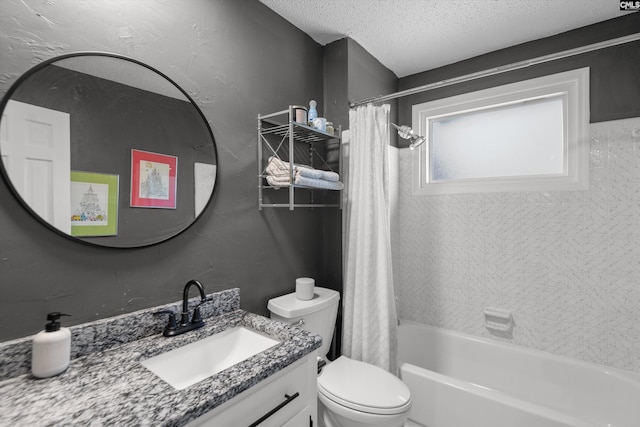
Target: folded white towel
<point>277,167</point>
<point>330,176</point>
<point>303,181</point>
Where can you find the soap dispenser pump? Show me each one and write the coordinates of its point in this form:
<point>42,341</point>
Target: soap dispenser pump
<point>51,350</point>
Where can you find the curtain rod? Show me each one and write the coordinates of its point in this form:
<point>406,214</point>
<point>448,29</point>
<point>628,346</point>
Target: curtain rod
<point>501,69</point>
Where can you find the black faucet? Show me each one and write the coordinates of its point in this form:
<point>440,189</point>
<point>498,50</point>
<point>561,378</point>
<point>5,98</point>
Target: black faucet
<point>186,325</point>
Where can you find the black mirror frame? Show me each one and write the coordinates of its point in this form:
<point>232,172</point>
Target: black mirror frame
<point>5,99</point>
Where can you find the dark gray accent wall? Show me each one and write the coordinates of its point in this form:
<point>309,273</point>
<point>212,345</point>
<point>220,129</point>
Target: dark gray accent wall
<point>366,75</point>
<point>352,74</point>
<point>236,59</point>
<point>336,82</point>
<point>614,77</point>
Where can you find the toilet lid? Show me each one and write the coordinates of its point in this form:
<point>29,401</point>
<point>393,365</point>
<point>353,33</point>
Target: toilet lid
<point>363,387</point>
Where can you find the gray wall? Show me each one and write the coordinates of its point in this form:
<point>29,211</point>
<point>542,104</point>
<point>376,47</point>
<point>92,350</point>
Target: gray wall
<point>351,74</point>
<point>614,82</point>
<point>236,59</point>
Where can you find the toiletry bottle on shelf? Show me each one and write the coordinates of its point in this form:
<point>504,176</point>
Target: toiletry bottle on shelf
<point>312,113</point>
<point>51,348</point>
<point>330,129</point>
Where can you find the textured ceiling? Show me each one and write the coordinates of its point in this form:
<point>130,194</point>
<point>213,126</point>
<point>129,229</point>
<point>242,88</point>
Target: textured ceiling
<point>410,36</point>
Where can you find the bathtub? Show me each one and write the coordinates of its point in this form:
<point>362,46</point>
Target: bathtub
<point>458,380</point>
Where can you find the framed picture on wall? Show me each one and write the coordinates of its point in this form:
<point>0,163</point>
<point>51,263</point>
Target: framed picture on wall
<point>94,204</point>
<point>153,180</point>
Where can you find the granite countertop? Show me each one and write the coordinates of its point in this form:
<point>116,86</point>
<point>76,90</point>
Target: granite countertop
<point>111,387</point>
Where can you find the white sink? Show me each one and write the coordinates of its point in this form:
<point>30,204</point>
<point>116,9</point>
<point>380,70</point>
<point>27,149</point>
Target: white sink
<point>194,362</point>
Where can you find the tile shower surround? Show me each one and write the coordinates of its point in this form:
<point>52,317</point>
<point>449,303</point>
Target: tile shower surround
<point>567,264</point>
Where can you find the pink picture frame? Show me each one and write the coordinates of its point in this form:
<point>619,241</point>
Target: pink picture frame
<point>153,180</point>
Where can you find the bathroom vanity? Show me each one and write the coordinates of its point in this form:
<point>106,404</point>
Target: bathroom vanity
<point>106,383</point>
<point>273,402</point>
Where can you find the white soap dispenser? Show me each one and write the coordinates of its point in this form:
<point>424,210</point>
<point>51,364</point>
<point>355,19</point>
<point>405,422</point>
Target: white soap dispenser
<point>51,350</point>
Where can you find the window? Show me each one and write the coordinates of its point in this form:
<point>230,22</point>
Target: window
<point>525,136</point>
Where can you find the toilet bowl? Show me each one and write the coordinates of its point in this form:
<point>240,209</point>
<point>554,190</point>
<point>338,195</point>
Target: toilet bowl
<point>351,393</point>
<point>356,394</point>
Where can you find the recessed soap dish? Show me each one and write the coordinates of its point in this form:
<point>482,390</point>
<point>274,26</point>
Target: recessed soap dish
<point>498,319</point>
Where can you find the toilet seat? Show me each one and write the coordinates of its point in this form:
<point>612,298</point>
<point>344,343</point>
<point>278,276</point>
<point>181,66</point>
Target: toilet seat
<point>363,387</point>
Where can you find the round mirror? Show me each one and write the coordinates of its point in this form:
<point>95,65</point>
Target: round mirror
<point>107,150</point>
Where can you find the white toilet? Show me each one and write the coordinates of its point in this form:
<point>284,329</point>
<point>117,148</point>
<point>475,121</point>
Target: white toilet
<point>350,393</point>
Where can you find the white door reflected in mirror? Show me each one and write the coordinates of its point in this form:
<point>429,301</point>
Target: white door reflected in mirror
<point>38,159</point>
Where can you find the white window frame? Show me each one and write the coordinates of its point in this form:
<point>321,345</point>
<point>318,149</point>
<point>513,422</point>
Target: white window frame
<point>572,86</point>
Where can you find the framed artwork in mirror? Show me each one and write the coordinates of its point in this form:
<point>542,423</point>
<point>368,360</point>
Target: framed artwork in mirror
<point>153,180</point>
<point>94,204</point>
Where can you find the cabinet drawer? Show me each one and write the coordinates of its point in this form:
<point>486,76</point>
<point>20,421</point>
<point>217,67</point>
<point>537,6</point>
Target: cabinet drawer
<point>300,419</point>
<point>255,403</point>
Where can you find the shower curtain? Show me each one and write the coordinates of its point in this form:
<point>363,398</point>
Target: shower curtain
<point>369,314</point>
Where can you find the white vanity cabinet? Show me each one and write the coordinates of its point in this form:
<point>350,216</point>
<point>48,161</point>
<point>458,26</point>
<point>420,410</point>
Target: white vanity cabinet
<point>273,402</point>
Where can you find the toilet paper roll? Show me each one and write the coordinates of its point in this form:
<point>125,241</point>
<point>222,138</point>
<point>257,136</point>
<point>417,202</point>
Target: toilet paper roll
<point>304,288</point>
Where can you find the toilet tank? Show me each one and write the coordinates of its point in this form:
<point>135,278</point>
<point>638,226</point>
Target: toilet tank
<point>318,315</point>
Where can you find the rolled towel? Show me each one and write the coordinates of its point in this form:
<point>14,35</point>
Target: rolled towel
<point>273,170</point>
<point>279,167</point>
